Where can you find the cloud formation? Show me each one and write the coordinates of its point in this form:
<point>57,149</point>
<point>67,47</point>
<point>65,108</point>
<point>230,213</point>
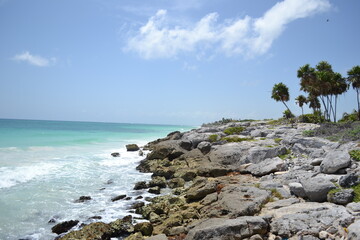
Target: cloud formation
<point>247,36</point>
<point>34,60</point>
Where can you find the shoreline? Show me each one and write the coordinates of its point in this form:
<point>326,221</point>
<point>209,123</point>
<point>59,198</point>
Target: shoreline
<point>249,180</point>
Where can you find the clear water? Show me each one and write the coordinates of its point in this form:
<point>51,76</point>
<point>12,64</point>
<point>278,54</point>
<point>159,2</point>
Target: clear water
<point>46,165</point>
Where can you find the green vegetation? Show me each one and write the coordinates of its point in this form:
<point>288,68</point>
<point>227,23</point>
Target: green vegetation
<point>356,189</point>
<point>277,140</point>
<point>315,117</point>
<point>220,122</point>
<point>301,100</point>
<point>213,138</point>
<point>355,154</point>
<point>275,193</point>
<point>286,155</point>
<point>233,130</point>
<point>263,138</point>
<point>308,133</point>
<point>287,114</point>
<point>340,132</point>
<point>236,139</point>
<point>280,92</point>
<point>349,117</point>
<point>354,79</point>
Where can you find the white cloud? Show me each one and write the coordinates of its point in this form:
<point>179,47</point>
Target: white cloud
<point>34,59</point>
<point>247,36</point>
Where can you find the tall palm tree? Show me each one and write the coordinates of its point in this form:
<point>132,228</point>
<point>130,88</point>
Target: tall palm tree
<point>280,92</point>
<point>354,79</point>
<point>301,100</point>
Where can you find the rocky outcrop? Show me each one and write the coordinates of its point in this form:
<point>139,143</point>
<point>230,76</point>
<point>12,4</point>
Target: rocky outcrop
<point>64,226</point>
<point>132,147</point>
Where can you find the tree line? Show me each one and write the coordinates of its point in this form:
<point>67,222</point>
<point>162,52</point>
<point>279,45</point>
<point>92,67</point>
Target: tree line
<point>323,86</point>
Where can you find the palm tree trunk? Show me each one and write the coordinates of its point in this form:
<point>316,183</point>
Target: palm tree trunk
<point>286,106</point>
<point>302,111</point>
<point>358,102</point>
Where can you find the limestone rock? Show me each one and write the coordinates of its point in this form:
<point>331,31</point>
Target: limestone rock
<point>354,231</point>
<point>349,180</point>
<point>145,228</point>
<point>187,145</point>
<point>317,188</point>
<point>335,161</point>
<point>94,231</point>
<point>342,197</point>
<point>222,229</point>
<point>200,189</point>
<point>204,147</point>
<point>158,237</point>
<point>158,181</point>
<point>297,189</point>
<point>267,166</point>
<point>176,182</point>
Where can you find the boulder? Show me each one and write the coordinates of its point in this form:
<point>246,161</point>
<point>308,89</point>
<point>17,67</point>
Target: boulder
<point>122,226</point>
<point>349,180</point>
<point>200,189</point>
<point>140,185</point>
<point>157,181</point>
<point>176,182</point>
<point>137,205</point>
<point>132,147</point>
<point>115,154</point>
<point>267,166</point>
<point>309,217</point>
<point>119,197</point>
<point>64,226</point>
<point>354,231</point>
<point>187,145</point>
<point>297,189</point>
<point>258,133</point>
<point>317,188</point>
<point>94,231</point>
<point>145,228</point>
<point>223,229</point>
<point>335,161</point>
<point>341,197</point>
<point>154,190</point>
<point>83,199</point>
<point>204,147</point>
<point>258,154</point>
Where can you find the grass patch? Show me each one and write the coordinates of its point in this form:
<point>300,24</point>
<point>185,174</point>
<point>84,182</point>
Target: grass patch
<point>356,189</point>
<point>275,193</point>
<point>355,154</point>
<point>263,138</point>
<point>308,133</point>
<point>277,140</point>
<point>233,130</point>
<point>236,139</point>
<point>286,155</point>
<point>339,132</point>
<point>213,138</point>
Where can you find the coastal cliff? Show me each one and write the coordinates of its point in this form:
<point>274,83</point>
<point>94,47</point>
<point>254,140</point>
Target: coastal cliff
<point>244,180</point>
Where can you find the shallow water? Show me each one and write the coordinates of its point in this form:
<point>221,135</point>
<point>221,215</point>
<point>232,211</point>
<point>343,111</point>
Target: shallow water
<point>46,165</point>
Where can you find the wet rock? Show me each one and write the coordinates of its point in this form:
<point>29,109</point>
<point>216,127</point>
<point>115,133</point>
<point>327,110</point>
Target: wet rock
<point>141,153</point>
<point>335,161</point>
<point>119,197</point>
<point>219,228</point>
<point>140,185</point>
<point>115,154</point>
<point>64,226</point>
<point>132,147</point>
<point>83,199</point>
<point>158,181</point>
<point>349,180</point>
<point>137,205</point>
<point>341,197</point>
<point>96,217</point>
<point>145,228</point>
<point>154,190</point>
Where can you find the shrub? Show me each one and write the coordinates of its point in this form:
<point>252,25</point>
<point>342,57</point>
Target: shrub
<point>349,117</point>
<point>355,154</point>
<point>308,133</point>
<point>233,130</point>
<point>312,118</point>
<point>213,138</point>
<point>287,114</point>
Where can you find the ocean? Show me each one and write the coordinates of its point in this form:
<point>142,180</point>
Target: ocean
<point>45,166</point>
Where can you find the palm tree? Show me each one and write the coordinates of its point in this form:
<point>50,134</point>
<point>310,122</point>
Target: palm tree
<point>280,92</point>
<point>301,100</point>
<point>354,79</point>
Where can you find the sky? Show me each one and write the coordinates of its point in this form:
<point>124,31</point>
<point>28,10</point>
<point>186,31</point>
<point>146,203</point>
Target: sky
<point>167,62</point>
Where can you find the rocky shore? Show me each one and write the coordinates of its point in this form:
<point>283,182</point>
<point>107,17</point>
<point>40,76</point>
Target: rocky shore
<point>243,180</point>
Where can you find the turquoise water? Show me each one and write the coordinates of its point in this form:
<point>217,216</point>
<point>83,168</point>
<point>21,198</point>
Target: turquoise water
<point>46,165</point>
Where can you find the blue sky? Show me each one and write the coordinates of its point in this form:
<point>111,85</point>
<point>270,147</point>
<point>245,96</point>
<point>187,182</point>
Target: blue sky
<point>174,62</point>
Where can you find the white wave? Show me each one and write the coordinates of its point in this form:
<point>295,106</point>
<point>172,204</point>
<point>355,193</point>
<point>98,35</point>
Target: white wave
<point>10,176</point>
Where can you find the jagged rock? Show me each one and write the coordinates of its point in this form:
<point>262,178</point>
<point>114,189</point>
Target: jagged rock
<point>145,228</point>
<point>122,226</point>
<point>83,199</point>
<point>158,181</point>
<point>342,197</point>
<point>176,183</point>
<point>349,180</point>
<point>94,231</point>
<point>258,154</point>
<point>222,229</point>
<point>132,147</point>
<point>186,174</point>
<point>140,185</point>
<point>64,226</point>
<point>317,188</point>
<point>310,216</point>
<point>154,190</point>
<point>173,220</point>
<point>335,161</point>
<point>187,145</point>
<point>267,166</point>
<point>297,189</point>
<point>141,153</point>
<point>258,133</point>
<point>354,231</point>
<point>115,154</point>
<point>204,147</point>
<point>117,198</point>
<point>200,189</point>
